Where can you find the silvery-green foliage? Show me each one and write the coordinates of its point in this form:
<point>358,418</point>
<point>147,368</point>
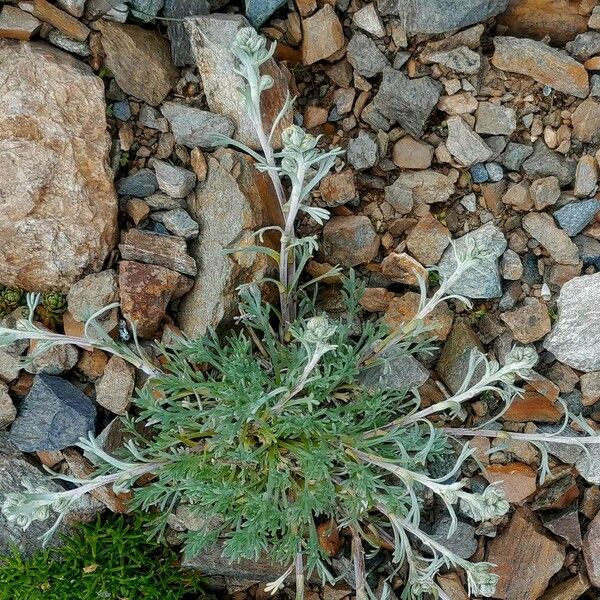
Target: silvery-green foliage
<point>267,432</point>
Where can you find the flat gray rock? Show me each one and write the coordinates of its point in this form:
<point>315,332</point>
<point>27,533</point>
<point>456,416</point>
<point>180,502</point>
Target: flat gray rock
<point>53,416</point>
<point>438,16</point>
<point>193,127</point>
<point>575,338</point>
<point>482,281</point>
<point>405,372</point>
<point>139,185</point>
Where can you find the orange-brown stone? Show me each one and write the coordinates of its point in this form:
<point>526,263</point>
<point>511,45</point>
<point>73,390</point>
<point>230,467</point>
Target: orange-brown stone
<point>517,479</point>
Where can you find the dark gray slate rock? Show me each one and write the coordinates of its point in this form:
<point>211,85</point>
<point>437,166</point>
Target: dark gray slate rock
<point>53,416</point>
<point>589,250</point>
<point>482,281</point>
<point>545,162</point>
<point>364,55</point>
<point>438,16</point>
<point>193,127</point>
<point>408,102</point>
<point>453,363</point>
<point>258,11</point>
<point>145,10</point>
<point>573,217</point>
<point>514,155</point>
<point>181,51</point>
<point>140,184</point>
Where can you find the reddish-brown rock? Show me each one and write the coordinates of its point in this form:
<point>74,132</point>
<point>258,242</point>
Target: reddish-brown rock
<point>525,558</point>
<point>338,188</point>
<point>517,479</point>
<point>532,406</point>
<point>402,309</point>
<point>544,64</point>
<point>529,322</point>
<point>376,299</point>
<point>48,13</point>
<point>166,251</point>
<point>586,121</point>
<point>571,589</point>
<point>402,268</point>
<point>323,35</point>
<point>428,239</point>
<point>146,290</point>
<point>562,20</point>
<point>350,241</point>
<point>58,208</point>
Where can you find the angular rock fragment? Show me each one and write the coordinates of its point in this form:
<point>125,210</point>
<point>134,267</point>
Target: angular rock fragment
<point>562,20</point>
<point>193,127</point>
<point>140,184</point>
<point>586,121</point>
<point>145,291</point>
<point>174,181</point>
<point>59,208</point>
<point>15,470</point>
<point>525,558</point>
<point>575,337</point>
<point>48,13</point>
<point>129,46</point>
<point>364,55</point>
<point>529,322</point>
<point>541,227</point>
<point>211,39</point>
<point>53,415</point>
<point>408,102</point>
<point>482,281</point>
<point>181,50</point>
<point>323,36</point>
<point>439,16</point>
<point>545,162</point>
<point>464,144</point>
<point>574,217</point>
<point>350,241</point>
<point>156,249</point>
<point>114,388</point>
<point>453,363</point>
<point>17,24</point>
<point>544,64</point>
<point>495,119</point>
<point>230,205</point>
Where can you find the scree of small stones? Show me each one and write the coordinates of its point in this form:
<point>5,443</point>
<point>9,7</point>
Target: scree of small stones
<point>460,120</point>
